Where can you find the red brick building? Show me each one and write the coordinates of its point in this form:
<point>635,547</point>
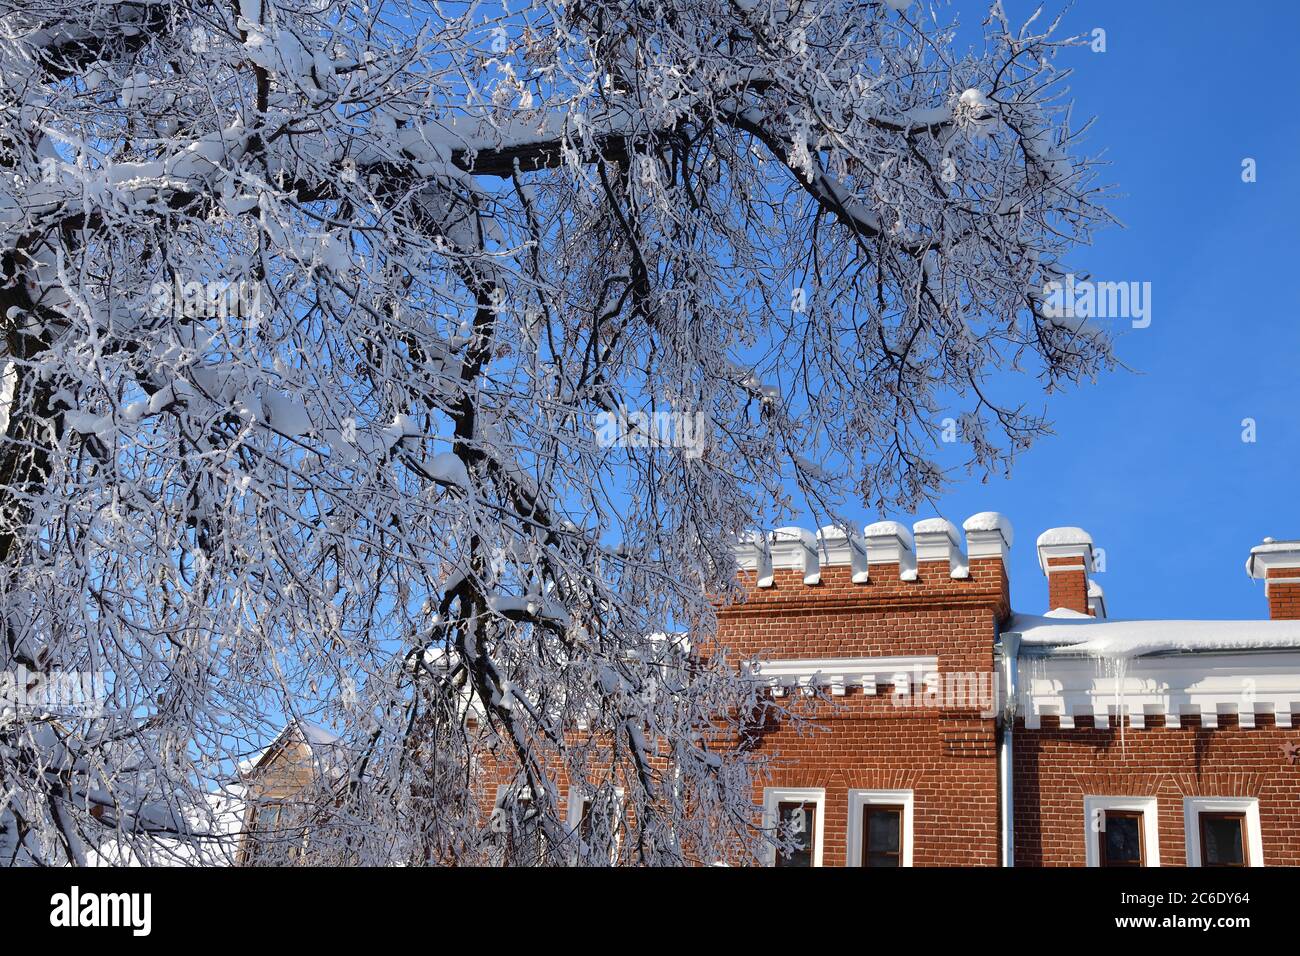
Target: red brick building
<point>952,731</point>
<point>959,733</point>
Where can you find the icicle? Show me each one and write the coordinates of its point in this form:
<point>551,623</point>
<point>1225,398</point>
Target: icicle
<point>1116,666</point>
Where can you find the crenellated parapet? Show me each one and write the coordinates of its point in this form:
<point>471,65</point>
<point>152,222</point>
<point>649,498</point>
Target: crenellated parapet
<point>930,549</point>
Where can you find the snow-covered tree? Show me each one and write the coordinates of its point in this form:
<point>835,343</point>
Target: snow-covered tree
<point>393,363</point>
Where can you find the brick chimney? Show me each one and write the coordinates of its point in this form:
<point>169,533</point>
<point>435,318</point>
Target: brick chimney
<point>1277,564</point>
<point>1065,555</point>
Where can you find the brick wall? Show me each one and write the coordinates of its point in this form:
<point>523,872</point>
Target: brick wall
<point>948,758</point>
<point>1055,769</point>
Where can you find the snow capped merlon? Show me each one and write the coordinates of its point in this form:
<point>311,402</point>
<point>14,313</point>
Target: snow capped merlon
<point>936,540</point>
<point>986,521</point>
<point>1065,543</point>
<point>931,526</point>
<point>1277,564</point>
<point>889,542</point>
<point>988,535</point>
<point>888,529</point>
<point>839,546</point>
<point>798,546</point>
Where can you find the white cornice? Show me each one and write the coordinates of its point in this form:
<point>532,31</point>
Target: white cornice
<point>840,673</point>
<point>1205,685</point>
<point>1272,555</point>
<point>1081,551</point>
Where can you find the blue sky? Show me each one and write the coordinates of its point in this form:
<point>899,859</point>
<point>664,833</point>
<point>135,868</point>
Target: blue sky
<point>1151,461</point>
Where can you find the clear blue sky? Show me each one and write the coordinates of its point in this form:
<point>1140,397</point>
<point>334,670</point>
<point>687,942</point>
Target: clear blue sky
<point>1152,461</point>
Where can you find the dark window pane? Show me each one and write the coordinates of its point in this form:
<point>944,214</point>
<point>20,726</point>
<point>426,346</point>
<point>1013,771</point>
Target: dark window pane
<point>882,836</point>
<point>798,821</point>
<point>884,829</point>
<point>526,843</point>
<point>1122,840</point>
<point>1222,840</point>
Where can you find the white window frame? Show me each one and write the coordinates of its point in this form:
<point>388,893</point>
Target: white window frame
<point>1193,807</point>
<point>573,801</point>
<point>498,802</point>
<point>773,797</point>
<point>858,799</point>
<point>1094,807</point>
<point>504,788</point>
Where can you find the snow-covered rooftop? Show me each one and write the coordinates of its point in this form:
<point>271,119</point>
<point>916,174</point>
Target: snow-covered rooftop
<point>317,738</point>
<point>1083,634</point>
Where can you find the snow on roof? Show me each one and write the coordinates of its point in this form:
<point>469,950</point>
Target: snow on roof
<point>213,841</point>
<point>250,762</point>
<point>1069,613</point>
<point>1099,638</point>
<point>990,521</point>
<point>1054,536</point>
<point>317,736</point>
<point>832,532</point>
<point>888,529</point>
<point>314,737</point>
<point>935,526</point>
<point>1269,546</point>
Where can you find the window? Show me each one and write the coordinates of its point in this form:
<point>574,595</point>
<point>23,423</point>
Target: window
<point>1121,839</point>
<point>1121,831</point>
<point>1223,839</point>
<point>275,834</point>
<point>594,819</point>
<point>797,818</point>
<point>798,813</point>
<point>1222,831</point>
<point>880,828</point>
<point>518,826</point>
<point>584,819</point>
<point>260,846</point>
